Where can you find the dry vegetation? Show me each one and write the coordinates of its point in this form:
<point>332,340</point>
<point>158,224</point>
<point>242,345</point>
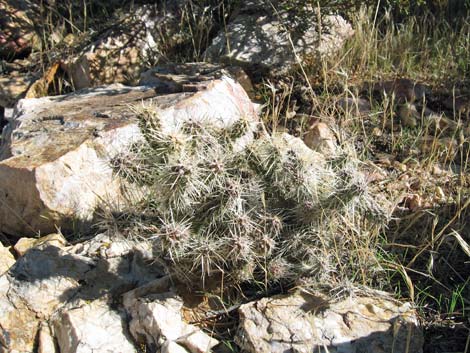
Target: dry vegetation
<point>422,164</point>
<point>274,213</point>
<point>241,217</point>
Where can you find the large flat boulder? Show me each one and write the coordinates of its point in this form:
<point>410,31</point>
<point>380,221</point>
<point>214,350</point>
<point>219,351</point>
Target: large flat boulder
<point>55,169</point>
<point>303,322</point>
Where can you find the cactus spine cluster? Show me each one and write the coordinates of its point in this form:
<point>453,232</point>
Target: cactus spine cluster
<point>274,212</point>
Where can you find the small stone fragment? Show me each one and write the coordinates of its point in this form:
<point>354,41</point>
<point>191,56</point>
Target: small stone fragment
<point>408,115</point>
<point>46,342</point>
<point>377,132</point>
<point>440,193</point>
<point>157,318</point>
<point>400,166</point>
<point>320,138</point>
<point>436,170</point>
<point>198,342</point>
<point>6,259</point>
<point>414,202</point>
<point>93,328</point>
<point>24,244</point>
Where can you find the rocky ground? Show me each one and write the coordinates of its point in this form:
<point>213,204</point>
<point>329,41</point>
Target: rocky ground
<point>355,240</point>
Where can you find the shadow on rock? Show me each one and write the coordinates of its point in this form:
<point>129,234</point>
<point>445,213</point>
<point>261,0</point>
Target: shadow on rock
<point>67,287</point>
<point>82,277</point>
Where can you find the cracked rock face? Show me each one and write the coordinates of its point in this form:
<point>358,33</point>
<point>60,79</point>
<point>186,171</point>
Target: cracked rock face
<point>304,323</point>
<point>260,37</point>
<point>71,288</point>
<point>93,327</point>
<point>29,292</point>
<point>157,321</point>
<point>56,152</point>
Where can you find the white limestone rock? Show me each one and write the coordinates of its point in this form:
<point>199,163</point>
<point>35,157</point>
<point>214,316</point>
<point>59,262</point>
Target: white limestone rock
<point>38,284</point>
<point>56,152</point>
<point>258,37</point>
<point>157,320</point>
<point>304,323</point>
<point>48,280</point>
<point>25,244</point>
<point>198,342</point>
<point>172,347</point>
<point>320,138</point>
<point>6,259</point>
<point>92,328</point>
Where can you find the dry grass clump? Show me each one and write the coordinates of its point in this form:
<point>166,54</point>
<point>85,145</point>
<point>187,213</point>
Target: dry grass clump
<point>277,212</point>
<point>422,47</point>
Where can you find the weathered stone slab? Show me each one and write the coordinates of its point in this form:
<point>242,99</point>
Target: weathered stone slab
<point>92,328</point>
<point>190,77</point>
<point>306,323</point>
<point>55,153</point>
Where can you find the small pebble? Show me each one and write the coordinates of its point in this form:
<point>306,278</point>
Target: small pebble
<point>400,166</point>
<point>436,170</point>
<point>377,132</point>
<point>414,202</point>
<point>408,115</point>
